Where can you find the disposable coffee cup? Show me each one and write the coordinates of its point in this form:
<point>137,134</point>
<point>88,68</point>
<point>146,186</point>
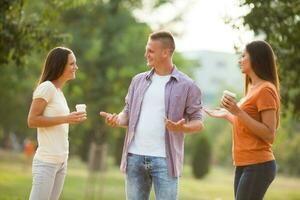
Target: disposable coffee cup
<point>81,108</point>
<point>228,93</point>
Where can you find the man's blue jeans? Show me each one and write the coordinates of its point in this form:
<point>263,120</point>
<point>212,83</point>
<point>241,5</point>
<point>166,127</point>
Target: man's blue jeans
<point>252,181</point>
<point>142,171</point>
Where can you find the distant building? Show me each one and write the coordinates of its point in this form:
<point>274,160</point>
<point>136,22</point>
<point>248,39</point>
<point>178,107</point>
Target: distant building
<point>217,71</point>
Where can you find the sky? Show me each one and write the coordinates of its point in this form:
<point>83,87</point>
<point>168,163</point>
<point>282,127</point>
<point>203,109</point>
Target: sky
<point>203,26</point>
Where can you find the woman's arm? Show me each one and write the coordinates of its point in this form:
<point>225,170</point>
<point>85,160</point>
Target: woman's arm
<point>36,119</point>
<point>265,129</point>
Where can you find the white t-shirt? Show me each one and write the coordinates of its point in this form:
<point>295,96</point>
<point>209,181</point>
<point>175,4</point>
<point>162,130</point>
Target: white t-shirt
<point>149,138</point>
<point>53,143</point>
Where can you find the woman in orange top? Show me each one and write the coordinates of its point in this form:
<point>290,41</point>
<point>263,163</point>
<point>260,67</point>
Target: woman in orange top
<point>255,120</point>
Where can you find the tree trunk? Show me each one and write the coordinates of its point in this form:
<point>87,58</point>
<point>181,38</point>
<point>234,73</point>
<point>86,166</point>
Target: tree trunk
<point>97,157</point>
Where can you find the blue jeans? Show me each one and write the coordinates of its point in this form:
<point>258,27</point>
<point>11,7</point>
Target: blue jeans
<point>142,171</point>
<point>47,180</point>
<point>252,181</point>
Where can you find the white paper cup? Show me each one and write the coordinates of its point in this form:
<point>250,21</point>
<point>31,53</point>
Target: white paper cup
<point>228,93</point>
<point>81,108</point>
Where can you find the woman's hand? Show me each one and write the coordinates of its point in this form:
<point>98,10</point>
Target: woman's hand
<point>217,113</point>
<point>229,104</point>
<point>76,117</point>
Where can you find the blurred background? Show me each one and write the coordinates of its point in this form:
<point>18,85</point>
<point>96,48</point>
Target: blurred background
<point>108,38</point>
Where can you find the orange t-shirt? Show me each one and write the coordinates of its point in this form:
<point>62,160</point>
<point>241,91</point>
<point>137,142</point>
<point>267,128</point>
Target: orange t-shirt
<point>248,148</point>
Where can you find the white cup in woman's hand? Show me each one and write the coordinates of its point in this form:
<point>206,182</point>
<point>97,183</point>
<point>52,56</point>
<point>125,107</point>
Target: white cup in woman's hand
<point>228,93</point>
<point>81,108</point>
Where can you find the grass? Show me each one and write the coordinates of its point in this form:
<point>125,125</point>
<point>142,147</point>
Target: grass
<point>15,183</point>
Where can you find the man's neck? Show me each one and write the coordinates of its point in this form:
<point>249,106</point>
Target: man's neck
<point>163,70</point>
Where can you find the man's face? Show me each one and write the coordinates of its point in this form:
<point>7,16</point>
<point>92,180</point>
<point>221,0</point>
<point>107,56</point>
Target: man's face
<point>154,53</point>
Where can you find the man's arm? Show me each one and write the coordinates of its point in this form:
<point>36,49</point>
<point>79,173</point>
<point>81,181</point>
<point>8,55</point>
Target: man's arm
<point>193,126</point>
<point>182,127</point>
<point>123,119</point>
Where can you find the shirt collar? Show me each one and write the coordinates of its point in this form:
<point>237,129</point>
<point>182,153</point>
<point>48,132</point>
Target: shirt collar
<point>174,74</point>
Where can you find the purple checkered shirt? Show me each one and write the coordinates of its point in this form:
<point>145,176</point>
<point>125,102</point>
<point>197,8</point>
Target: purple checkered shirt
<point>182,100</point>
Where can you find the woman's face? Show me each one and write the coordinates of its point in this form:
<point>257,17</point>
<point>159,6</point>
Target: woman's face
<point>244,63</point>
<point>71,68</point>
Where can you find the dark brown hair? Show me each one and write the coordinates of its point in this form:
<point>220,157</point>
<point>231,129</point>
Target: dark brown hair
<point>166,38</point>
<point>263,63</point>
<point>55,64</point>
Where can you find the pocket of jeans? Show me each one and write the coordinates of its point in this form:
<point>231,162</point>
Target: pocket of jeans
<point>160,162</point>
<point>132,159</point>
<point>130,154</point>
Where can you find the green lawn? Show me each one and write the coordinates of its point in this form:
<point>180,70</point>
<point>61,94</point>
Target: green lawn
<point>15,183</point>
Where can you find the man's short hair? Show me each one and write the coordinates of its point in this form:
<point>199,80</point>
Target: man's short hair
<point>166,38</point>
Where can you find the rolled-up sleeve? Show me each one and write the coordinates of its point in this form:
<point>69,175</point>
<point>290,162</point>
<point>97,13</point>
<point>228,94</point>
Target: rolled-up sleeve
<point>193,108</point>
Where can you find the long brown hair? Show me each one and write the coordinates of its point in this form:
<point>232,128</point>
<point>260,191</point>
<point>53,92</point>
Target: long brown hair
<point>263,63</point>
<point>55,64</point>
<point>262,59</point>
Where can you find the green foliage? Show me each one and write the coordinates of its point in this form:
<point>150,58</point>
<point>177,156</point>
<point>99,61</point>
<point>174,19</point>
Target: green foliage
<point>223,147</point>
<point>22,30</point>
<point>279,21</point>
<point>288,158</point>
<point>201,160</point>
<point>23,33</point>
<point>286,146</point>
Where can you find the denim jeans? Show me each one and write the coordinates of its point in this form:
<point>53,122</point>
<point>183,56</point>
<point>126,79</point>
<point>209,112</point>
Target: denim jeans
<point>252,181</point>
<point>142,171</point>
<point>47,180</point>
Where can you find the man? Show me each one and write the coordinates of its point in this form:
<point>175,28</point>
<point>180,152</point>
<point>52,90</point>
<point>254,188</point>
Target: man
<point>161,105</point>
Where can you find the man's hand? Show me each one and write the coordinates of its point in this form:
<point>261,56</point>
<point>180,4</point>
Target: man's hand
<point>110,119</point>
<point>175,126</point>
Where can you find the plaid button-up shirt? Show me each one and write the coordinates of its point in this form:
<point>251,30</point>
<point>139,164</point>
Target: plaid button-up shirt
<point>182,100</point>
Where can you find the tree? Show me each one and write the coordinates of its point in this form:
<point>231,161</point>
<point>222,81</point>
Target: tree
<point>201,156</point>
<point>28,30</point>
<point>279,22</point>
<point>21,33</point>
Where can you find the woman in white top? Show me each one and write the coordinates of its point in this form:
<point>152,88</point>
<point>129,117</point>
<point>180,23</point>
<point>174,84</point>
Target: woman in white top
<point>50,114</point>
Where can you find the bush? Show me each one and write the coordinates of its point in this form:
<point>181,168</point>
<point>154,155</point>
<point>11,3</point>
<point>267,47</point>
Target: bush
<point>222,154</point>
<point>201,157</point>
